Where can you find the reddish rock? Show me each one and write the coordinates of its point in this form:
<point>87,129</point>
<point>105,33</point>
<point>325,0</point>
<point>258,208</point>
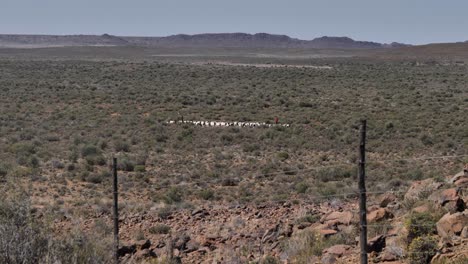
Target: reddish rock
<point>144,254</point>
<point>451,200</point>
<point>463,182</point>
<point>461,175</point>
<point>379,215</point>
<point>386,199</point>
<point>418,187</point>
<point>327,232</point>
<point>452,224</point>
<point>338,250</point>
<point>338,218</point>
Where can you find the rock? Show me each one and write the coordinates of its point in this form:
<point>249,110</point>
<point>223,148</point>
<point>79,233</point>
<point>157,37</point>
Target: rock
<point>303,225</point>
<point>143,244</point>
<point>386,199</point>
<point>452,224</point>
<point>464,233</point>
<point>449,199</point>
<point>328,259</point>
<point>181,241</point>
<point>462,174</point>
<point>463,182</point>
<point>388,256</point>
<point>124,250</point>
<point>337,250</point>
<point>338,218</point>
<point>419,187</point>
<point>200,212</point>
<point>376,244</point>
<point>192,246</point>
<point>145,253</point>
<point>379,215</point>
<point>327,232</point>
<point>286,230</point>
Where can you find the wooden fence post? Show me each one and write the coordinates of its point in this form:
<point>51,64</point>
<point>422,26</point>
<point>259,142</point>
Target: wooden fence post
<point>362,192</point>
<point>116,212</point>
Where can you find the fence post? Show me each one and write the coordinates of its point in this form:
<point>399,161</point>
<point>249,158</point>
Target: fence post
<point>116,213</point>
<point>362,192</point>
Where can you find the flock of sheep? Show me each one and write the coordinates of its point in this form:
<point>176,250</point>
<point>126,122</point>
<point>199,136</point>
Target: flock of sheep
<point>225,124</point>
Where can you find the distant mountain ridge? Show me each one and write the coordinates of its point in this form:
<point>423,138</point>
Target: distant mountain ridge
<point>209,40</point>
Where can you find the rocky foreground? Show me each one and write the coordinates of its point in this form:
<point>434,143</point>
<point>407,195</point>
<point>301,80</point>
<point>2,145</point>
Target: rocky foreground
<point>305,232</point>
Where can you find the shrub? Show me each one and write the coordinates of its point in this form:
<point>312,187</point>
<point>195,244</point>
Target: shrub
<point>420,224</point>
<point>3,170</point>
<point>125,165</point>
<point>164,212</point>
<point>270,260</point>
<point>89,150</point>
<point>121,146</point>
<point>422,249</point>
<point>206,194</point>
<point>23,239</point>
<point>173,195</point>
<point>95,178</point>
<point>160,229</point>
<point>140,168</point>
<point>301,187</point>
<point>283,155</point>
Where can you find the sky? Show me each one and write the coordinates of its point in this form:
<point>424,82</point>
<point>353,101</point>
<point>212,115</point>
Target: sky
<point>407,21</point>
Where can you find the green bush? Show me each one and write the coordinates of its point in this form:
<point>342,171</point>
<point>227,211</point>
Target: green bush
<point>95,178</point>
<point>125,165</point>
<point>206,194</point>
<point>270,260</point>
<point>25,239</point>
<point>121,146</point>
<point>283,155</point>
<point>164,212</point>
<point>422,249</point>
<point>173,195</point>
<point>301,187</point>
<point>89,150</point>
<point>3,170</point>
<point>420,224</point>
<point>140,168</point>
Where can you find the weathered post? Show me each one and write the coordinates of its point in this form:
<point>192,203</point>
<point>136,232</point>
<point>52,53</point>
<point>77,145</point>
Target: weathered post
<point>116,212</point>
<point>362,192</point>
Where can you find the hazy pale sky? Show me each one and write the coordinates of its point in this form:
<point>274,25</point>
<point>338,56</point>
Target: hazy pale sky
<point>409,21</point>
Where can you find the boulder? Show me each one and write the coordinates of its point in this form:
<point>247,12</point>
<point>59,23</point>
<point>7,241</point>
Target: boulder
<point>379,215</point>
<point>124,250</point>
<point>143,244</point>
<point>338,218</point>
<point>327,232</point>
<point>144,254</point>
<point>388,256</point>
<point>386,199</point>
<point>462,174</point>
<point>452,224</point>
<point>463,182</point>
<point>417,188</point>
<point>328,259</point>
<point>338,250</point>
<point>451,200</point>
<point>376,244</point>
<point>464,233</point>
